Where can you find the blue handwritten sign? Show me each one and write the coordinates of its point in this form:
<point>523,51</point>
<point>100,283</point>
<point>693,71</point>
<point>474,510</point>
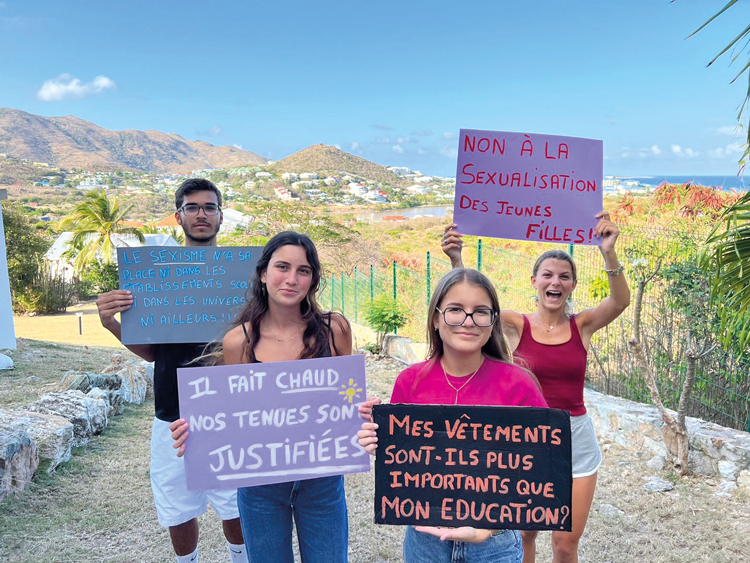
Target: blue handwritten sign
<point>183,294</point>
<point>255,424</point>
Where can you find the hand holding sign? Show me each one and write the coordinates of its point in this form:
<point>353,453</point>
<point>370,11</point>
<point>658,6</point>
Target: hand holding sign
<point>471,468</point>
<point>529,187</point>
<point>255,424</point>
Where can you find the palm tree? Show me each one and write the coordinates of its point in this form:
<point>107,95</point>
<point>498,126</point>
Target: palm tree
<point>93,223</point>
<point>743,35</point>
<point>727,257</point>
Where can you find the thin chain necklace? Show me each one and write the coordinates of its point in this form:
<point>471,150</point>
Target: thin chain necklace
<point>468,380</point>
<point>287,339</point>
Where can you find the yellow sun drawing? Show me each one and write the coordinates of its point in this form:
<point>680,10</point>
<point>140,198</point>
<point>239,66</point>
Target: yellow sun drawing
<point>350,392</point>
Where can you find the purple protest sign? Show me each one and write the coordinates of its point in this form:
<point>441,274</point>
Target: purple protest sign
<point>528,187</point>
<point>255,424</point>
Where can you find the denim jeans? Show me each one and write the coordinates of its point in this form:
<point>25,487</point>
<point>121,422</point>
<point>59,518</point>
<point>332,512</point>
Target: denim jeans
<point>505,547</point>
<point>318,507</point>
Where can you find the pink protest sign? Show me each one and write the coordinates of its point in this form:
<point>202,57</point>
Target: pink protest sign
<point>255,424</point>
<point>528,187</point>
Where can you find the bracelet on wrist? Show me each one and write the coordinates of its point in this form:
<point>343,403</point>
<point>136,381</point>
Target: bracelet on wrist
<point>617,271</point>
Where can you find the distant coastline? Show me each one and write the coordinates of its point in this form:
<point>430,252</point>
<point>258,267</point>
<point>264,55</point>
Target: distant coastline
<point>619,184</point>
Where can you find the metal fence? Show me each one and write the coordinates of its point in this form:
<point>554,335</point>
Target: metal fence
<point>674,318</point>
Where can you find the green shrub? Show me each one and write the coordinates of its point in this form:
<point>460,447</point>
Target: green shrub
<point>385,315</point>
<point>48,293</point>
<point>100,278</point>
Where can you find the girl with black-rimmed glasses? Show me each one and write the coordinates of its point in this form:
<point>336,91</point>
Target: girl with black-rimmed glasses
<point>468,363</point>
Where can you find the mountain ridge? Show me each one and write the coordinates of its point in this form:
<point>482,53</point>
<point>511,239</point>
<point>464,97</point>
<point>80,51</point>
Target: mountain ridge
<point>72,142</point>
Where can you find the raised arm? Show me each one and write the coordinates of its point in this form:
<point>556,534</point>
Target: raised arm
<point>618,299</point>
<point>117,301</point>
<point>452,244</point>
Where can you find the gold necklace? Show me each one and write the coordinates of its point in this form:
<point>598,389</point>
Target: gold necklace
<point>465,383</point>
<point>287,339</point>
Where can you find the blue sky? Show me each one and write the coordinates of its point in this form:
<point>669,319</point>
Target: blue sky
<point>392,82</point>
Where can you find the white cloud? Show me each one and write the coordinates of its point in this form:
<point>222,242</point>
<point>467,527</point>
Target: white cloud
<point>729,130</point>
<point>732,150</point>
<point>238,146</point>
<point>685,153</point>
<point>449,152</point>
<point>337,146</point>
<point>3,5</point>
<point>421,151</point>
<point>67,87</point>
<point>383,140</point>
<point>355,146</point>
<point>656,150</point>
<point>422,133</point>
<point>450,136</point>
<point>215,130</point>
<point>397,149</point>
<point>403,139</point>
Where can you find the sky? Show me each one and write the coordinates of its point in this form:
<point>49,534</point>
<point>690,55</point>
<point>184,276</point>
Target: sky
<point>390,81</point>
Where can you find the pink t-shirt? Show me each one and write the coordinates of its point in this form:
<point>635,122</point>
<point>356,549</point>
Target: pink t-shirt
<point>495,384</point>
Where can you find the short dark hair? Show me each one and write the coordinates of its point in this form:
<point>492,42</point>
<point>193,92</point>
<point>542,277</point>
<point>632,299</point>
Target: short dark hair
<point>192,185</point>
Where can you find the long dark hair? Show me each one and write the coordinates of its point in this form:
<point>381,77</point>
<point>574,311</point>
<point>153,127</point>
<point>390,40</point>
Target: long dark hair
<point>316,337</point>
<point>497,346</point>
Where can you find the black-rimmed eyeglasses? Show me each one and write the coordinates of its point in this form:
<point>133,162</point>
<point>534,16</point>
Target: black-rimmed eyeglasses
<point>456,316</point>
<point>192,209</point>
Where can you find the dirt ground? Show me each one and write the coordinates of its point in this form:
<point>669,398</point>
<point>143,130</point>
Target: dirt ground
<point>98,507</point>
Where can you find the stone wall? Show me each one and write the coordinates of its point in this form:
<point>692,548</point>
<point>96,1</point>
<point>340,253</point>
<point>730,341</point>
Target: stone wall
<point>715,451</point>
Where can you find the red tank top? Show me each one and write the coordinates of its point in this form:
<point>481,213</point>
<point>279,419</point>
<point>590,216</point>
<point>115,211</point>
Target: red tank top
<point>560,368</point>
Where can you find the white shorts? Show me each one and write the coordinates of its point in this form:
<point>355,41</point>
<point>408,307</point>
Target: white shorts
<point>587,457</point>
<point>174,503</point>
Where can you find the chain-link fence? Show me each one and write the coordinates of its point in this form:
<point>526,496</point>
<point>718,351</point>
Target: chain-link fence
<point>669,308</point>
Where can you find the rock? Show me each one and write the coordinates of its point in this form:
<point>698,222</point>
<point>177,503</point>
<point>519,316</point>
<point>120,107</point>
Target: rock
<point>656,463</point>
<point>19,460</point>
<point>135,384</point>
<point>88,415</point>
<point>610,511</point>
<point>6,362</point>
<point>743,479</point>
<point>52,434</point>
<point>84,382</point>
<point>658,485</point>
<point>112,398</point>
<point>76,382</point>
<point>728,470</point>
<point>727,487</point>
<point>148,369</point>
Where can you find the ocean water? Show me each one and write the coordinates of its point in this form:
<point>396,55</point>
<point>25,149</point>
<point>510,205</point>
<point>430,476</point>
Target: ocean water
<point>739,183</point>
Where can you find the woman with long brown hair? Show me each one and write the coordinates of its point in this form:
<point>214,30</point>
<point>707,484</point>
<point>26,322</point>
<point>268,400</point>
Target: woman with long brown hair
<point>282,321</point>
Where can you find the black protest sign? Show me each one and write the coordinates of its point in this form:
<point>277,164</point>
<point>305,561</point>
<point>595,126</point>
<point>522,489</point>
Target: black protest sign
<point>478,466</point>
<point>183,294</point>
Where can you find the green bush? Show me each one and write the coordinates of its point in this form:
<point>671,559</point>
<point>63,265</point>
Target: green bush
<point>49,293</point>
<point>100,278</point>
<point>385,315</point>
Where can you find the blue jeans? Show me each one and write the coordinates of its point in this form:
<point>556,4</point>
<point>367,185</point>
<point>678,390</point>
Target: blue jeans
<point>318,507</point>
<point>505,547</point>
